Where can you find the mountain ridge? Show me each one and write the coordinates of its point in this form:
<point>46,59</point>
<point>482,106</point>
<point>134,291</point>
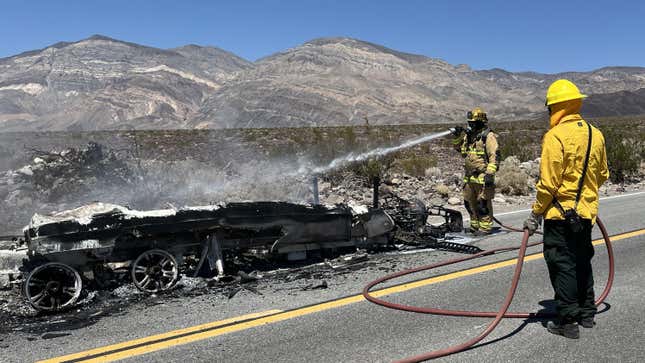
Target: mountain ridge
<point>101,83</point>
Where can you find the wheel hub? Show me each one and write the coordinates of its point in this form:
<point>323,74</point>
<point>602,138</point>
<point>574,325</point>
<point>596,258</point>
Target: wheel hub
<point>154,270</point>
<point>53,287</point>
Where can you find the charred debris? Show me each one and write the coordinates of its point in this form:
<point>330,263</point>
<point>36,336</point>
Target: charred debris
<point>70,250</point>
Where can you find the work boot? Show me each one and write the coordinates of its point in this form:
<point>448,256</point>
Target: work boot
<point>483,232</point>
<point>568,330</point>
<point>587,322</point>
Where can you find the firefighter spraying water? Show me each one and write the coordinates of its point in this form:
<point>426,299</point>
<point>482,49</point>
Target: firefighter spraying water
<point>480,150</point>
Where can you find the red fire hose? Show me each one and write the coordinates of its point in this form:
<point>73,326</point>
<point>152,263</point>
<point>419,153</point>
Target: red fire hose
<point>503,311</point>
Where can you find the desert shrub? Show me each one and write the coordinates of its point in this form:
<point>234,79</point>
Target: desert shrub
<point>511,179</point>
<point>442,190</point>
<point>416,165</point>
<point>433,172</point>
<point>522,148</point>
<point>317,135</point>
<point>363,171</point>
<point>624,155</point>
<point>317,146</point>
<point>349,138</point>
<point>372,168</point>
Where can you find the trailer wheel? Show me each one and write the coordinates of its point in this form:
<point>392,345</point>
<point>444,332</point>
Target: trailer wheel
<point>154,271</point>
<point>52,287</point>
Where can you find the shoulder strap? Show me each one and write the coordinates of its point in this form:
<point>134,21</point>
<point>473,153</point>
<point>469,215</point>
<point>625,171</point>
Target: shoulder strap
<point>584,168</point>
<point>582,177</point>
<point>483,135</point>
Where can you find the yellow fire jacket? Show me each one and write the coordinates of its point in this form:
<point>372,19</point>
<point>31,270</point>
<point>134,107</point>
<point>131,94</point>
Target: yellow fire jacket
<point>563,154</point>
<point>480,154</point>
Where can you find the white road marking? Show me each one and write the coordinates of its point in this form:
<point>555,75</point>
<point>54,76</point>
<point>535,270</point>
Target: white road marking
<point>529,209</point>
<point>622,195</point>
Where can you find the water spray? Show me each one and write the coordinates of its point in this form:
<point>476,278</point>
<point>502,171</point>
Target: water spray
<point>353,158</point>
<point>378,152</point>
<point>375,153</point>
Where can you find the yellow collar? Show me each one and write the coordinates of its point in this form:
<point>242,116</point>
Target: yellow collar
<point>568,118</point>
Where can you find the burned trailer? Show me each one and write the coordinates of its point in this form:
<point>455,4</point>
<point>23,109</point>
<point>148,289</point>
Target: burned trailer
<point>66,248</point>
<point>414,226</point>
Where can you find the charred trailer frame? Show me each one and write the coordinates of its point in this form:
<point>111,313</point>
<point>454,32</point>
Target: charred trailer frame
<point>75,245</point>
<point>63,251</point>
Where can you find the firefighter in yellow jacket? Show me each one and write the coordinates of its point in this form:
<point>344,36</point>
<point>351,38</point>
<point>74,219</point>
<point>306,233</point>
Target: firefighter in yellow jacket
<point>478,146</point>
<point>561,190</point>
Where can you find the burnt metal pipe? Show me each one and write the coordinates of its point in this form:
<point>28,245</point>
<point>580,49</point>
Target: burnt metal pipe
<point>376,183</point>
<point>316,196</point>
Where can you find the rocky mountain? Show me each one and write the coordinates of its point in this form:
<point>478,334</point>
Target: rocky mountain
<point>345,81</point>
<point>102,83</point>
<point>615,104</point>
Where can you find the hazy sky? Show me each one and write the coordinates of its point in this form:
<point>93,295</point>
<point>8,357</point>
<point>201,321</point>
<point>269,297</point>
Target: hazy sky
<point>540,35</point>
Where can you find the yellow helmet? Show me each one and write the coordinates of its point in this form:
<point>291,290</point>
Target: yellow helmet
<point>477,114</point>
<point>562,90</point>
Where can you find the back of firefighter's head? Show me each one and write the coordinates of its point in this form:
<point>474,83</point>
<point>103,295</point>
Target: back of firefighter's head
<point>476,118</point>
<point>563,98</point>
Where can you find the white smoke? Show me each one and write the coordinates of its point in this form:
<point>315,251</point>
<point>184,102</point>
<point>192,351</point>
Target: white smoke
<point>277,179</point>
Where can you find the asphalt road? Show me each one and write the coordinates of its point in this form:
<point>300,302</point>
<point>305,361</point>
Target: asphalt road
<point>352,329</point>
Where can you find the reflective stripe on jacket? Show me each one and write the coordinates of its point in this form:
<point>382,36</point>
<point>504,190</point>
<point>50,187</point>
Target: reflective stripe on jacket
<point>563,153</point>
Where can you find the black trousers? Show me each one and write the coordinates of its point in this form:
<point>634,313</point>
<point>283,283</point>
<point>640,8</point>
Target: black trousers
<point>568,258</point>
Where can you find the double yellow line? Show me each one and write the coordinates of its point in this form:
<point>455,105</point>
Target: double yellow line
<point>200,332</point>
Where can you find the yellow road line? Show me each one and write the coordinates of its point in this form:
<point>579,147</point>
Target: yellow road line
<point>216,332</point>
<point>156,337</point>
<point>149,344</point>
<point>484,268</point>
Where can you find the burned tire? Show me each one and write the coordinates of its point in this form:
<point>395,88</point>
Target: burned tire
<point>154,271</point>
<point>52,287</point>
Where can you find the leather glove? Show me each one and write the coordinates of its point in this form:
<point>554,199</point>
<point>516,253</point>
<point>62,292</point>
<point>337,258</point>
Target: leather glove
<point>457,130</point>
<point>532,223</point>
<point>489,180</point>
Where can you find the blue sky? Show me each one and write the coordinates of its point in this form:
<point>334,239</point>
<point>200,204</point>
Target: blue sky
<point>541,35</point>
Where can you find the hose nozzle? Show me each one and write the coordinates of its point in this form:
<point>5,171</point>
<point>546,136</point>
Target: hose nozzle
<point>458,130</point>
